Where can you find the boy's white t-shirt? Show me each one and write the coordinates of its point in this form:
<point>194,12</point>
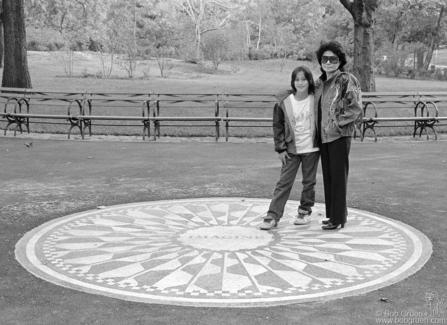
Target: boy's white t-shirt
<point>303,129</point>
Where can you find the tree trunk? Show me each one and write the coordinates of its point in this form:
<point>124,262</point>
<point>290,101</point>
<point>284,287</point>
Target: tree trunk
<point>198,42</point>
<point>420,59</point>
<point>1,44</point>
<point>433,40</point>
<point>363,57</point>
<point>259,33</point>
<point>15,73</point>
<point>362,12</point>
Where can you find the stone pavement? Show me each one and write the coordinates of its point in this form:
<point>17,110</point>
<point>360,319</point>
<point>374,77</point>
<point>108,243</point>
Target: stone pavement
<point>133,215</point>
<point>138,138</point>
<point>210,252</point>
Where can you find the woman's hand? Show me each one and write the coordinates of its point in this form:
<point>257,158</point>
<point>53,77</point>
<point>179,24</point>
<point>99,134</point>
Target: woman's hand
<point>283,156</point>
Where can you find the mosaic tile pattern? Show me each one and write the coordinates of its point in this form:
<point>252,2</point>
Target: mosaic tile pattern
<point>210,252</point>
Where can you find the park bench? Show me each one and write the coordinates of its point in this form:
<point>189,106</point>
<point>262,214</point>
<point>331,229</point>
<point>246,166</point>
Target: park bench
<point>419,111</point>
<point>439,100</point>
<point>257,110</point>
<point>399,107</point>
<point>124,107</point>
<point>180,110</point>
<point>21,105</point>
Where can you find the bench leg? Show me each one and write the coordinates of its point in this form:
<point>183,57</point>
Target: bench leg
<point>217,131</point>
<point>146,126</point>
<point>69,131</point>
<point>87,124</point>
<point>434,131</point>
<point>80,129</point>
<point>7,126</point>
<point>77,124</point>
<point>19,126</point>
<point>369,126</point>
<point>20,121</point>
<point>423,126</point>
<point>156,130</point>
<point>373,131</point>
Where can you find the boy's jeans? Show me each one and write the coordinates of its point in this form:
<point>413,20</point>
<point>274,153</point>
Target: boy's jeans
<point>309,166</point>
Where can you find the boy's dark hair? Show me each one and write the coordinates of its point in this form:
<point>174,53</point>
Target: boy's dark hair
<point>307,74</point>
<point>337,49</point>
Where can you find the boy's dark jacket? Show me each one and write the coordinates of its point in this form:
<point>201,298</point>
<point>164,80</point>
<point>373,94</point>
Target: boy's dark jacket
<point>284,123</point>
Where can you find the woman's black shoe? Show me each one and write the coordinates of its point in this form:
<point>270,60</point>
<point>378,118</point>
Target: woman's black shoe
<point>331,226</point>
<point>325,222</point>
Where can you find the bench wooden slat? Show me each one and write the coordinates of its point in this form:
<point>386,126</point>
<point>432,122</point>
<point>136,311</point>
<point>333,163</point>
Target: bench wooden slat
<point>189,118</point>
<point>49,116</point>
<point>247,119</point>
<point>100,117</point>
<point>378,119</point>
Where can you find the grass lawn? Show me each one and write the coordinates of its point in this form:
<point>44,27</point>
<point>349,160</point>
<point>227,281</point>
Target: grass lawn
<point>247,77</point>
<point>259,77</point>
<point>440,58</point>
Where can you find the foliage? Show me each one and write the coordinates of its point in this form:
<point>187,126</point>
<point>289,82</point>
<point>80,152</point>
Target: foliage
<point>163,55</point>
<point>392,61</point>
<point>206,16</point>
<point>66,59</point>
<point>236,43</point>
<point>129,60</point>
<point>253,29</point>
<point>44,39</point>
<point>412,22</point>
<point>107,63</point>
<point>215,47</point>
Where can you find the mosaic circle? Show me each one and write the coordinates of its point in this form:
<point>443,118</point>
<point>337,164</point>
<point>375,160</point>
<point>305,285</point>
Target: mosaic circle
<point>210,252</point>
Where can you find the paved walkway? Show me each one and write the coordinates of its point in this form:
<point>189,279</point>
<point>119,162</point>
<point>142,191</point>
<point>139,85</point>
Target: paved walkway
<point>138,138</point>
<point>397,185</point>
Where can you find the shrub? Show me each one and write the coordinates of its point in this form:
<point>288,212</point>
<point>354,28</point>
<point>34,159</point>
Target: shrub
<point>391,61</point>
<point>44,39</point>
<point>438,75</point>
<point>215,47</point>
<point>187,51</point>
<point>258,54</point>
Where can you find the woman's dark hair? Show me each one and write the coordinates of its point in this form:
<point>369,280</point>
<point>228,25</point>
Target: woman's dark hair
<point>307,74</point>
<point>337,49</point>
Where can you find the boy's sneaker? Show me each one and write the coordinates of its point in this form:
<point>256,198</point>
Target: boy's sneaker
<point>302,219</point>
<point>268,224</point>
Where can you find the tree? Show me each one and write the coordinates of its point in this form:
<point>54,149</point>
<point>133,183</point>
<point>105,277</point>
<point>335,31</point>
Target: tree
<point>434,35</point>
<point>1,42</point>
<point>215,47</point>
<point>15,73</point>
<point>206,15</point>
<point>363,12</point>
<point>412,23</point>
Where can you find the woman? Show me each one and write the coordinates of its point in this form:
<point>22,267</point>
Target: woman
<point>338,101</point>
<point>296,142</point>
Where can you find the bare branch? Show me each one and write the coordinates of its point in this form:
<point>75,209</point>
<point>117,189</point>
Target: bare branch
<point>189,10</point>
<point>83,6</point>
<point>208,30</point>
<point>224,21</point>
<point>222,5</point>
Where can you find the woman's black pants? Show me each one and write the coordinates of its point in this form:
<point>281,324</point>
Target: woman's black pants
<point>335,166</point>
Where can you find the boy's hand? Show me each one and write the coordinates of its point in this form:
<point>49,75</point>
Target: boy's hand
<point>283,156</point>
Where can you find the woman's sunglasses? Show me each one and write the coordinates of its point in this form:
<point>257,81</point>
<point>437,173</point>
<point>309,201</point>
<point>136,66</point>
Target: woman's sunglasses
<point>331,59</point>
